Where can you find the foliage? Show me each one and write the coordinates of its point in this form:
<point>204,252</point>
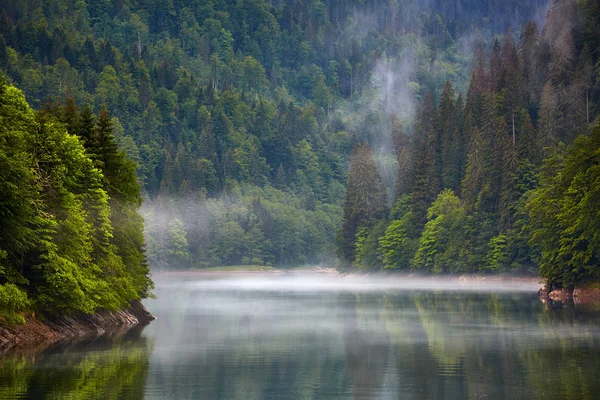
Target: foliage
<point>243,115</point>
<point>211,94</point>
<point>61,250</point>
<point>564,213</point>
<point>13,301</point>
<point>526,101</point>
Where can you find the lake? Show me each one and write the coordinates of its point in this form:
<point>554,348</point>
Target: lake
<point>320,336</point>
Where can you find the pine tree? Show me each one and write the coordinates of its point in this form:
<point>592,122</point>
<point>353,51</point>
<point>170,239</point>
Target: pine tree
<point>547,120</point>
<point>508,195</point>
<point>448,157</point>
<point>475,175</point>
<point>529,61</point>
<point>70,115</point>
<point>497,163</point>
<point>125,199</point>
<point>365,201</point>
<point>578,96</point>
<point>404,176</point>
<point>400,139</point>
<point>495,66</point>
<point>426,184</point>
<point>86,131</point>
<point>527,142</point>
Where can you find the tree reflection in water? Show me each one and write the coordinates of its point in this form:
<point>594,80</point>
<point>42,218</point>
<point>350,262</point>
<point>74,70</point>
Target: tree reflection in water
<point>268,344</point>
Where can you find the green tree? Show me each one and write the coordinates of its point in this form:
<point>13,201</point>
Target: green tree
<point>178,249</point>
<point>365,201</point>
<point>440,241</point>
<point>563,213</point>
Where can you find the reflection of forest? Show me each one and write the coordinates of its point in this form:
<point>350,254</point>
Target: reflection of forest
<point>372,345</point>
<point>241,345</point>
<point>492,346</point>
<point>107,368</point>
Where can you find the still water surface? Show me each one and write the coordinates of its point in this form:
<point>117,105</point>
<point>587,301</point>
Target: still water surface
<point>324,337</point>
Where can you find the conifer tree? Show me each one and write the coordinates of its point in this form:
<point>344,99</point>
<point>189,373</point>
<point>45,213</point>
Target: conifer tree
<point>86,131</point>
<point>547,120</point>
<point>497,162</point>
<point>495,66</point>
<point>365,202</point>
<point>529,60</point>
<point>426,184</point>
<point>508,194</point>
<point>400,139</point>
<point>448,158</point>
<point>527,141</point>
<point>475,175</point>
<point>404,176</point>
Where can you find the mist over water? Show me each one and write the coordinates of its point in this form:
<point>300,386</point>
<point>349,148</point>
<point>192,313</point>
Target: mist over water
<point>322,336</point>
<point>308,335</point>
<point>318,283</point>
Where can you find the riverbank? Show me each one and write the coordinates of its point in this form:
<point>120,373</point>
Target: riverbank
<point>42,333</point>
<point>583,294</point>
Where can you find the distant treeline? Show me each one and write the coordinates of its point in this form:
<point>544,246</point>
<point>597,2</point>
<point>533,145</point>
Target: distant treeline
<point>241,115</point>
<point>71,240</point>
<point>504,180</point>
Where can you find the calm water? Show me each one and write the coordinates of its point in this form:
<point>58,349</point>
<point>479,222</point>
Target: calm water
<point>323,337</point>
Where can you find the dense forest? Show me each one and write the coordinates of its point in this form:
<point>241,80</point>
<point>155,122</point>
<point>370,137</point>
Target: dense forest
<point>504,180</point>
<point>241,116</point>
<point>71,239</point>
<point>452,124</point>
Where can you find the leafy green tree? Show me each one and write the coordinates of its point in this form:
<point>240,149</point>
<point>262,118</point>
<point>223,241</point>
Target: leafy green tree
<point>438,243</point>
<point>398,245</point>
<point>178,244</point>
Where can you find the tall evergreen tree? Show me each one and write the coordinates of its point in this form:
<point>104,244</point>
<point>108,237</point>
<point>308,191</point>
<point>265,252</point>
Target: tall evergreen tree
<point>475,175</point>
<point>365,202</point>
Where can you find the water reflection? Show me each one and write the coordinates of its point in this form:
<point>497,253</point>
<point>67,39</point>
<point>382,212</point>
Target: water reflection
<point>247,338</point>
<point>112,367</point>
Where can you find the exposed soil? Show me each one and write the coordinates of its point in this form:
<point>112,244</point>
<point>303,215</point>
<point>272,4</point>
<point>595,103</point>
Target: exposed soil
<point>41,333</point>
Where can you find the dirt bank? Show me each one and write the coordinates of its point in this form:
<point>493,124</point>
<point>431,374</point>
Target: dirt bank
<point>41,333</point>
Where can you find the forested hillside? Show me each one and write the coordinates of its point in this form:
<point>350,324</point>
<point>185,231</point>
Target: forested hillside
<point>71,240</point>
<point>504,180</point>
<point>241,116</point>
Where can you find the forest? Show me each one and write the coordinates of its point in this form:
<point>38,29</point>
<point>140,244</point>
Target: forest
<point>71,239</point>
<point>241,116</point>
<point>428,136</point>
<point>504,180</point>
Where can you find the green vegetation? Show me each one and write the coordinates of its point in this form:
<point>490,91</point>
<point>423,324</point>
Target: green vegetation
<point>71,240</point>
<point>242,118</point>
<point>116,372</point>
<point>504,180</point>
<point>241,115</point>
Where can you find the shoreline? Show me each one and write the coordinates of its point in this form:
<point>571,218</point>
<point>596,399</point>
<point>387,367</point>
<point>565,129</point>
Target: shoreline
<point>39,334</point>
<point>464,278</point>
<point>584,294</point>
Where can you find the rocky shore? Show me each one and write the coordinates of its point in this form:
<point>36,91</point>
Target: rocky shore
<point>46,332</point>
<point>583,294</point>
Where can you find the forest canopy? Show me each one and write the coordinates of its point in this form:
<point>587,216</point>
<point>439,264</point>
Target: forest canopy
<point>261,127</point>
<point>505,179</point>
<point>71,240</point>
<point>241,115</point>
